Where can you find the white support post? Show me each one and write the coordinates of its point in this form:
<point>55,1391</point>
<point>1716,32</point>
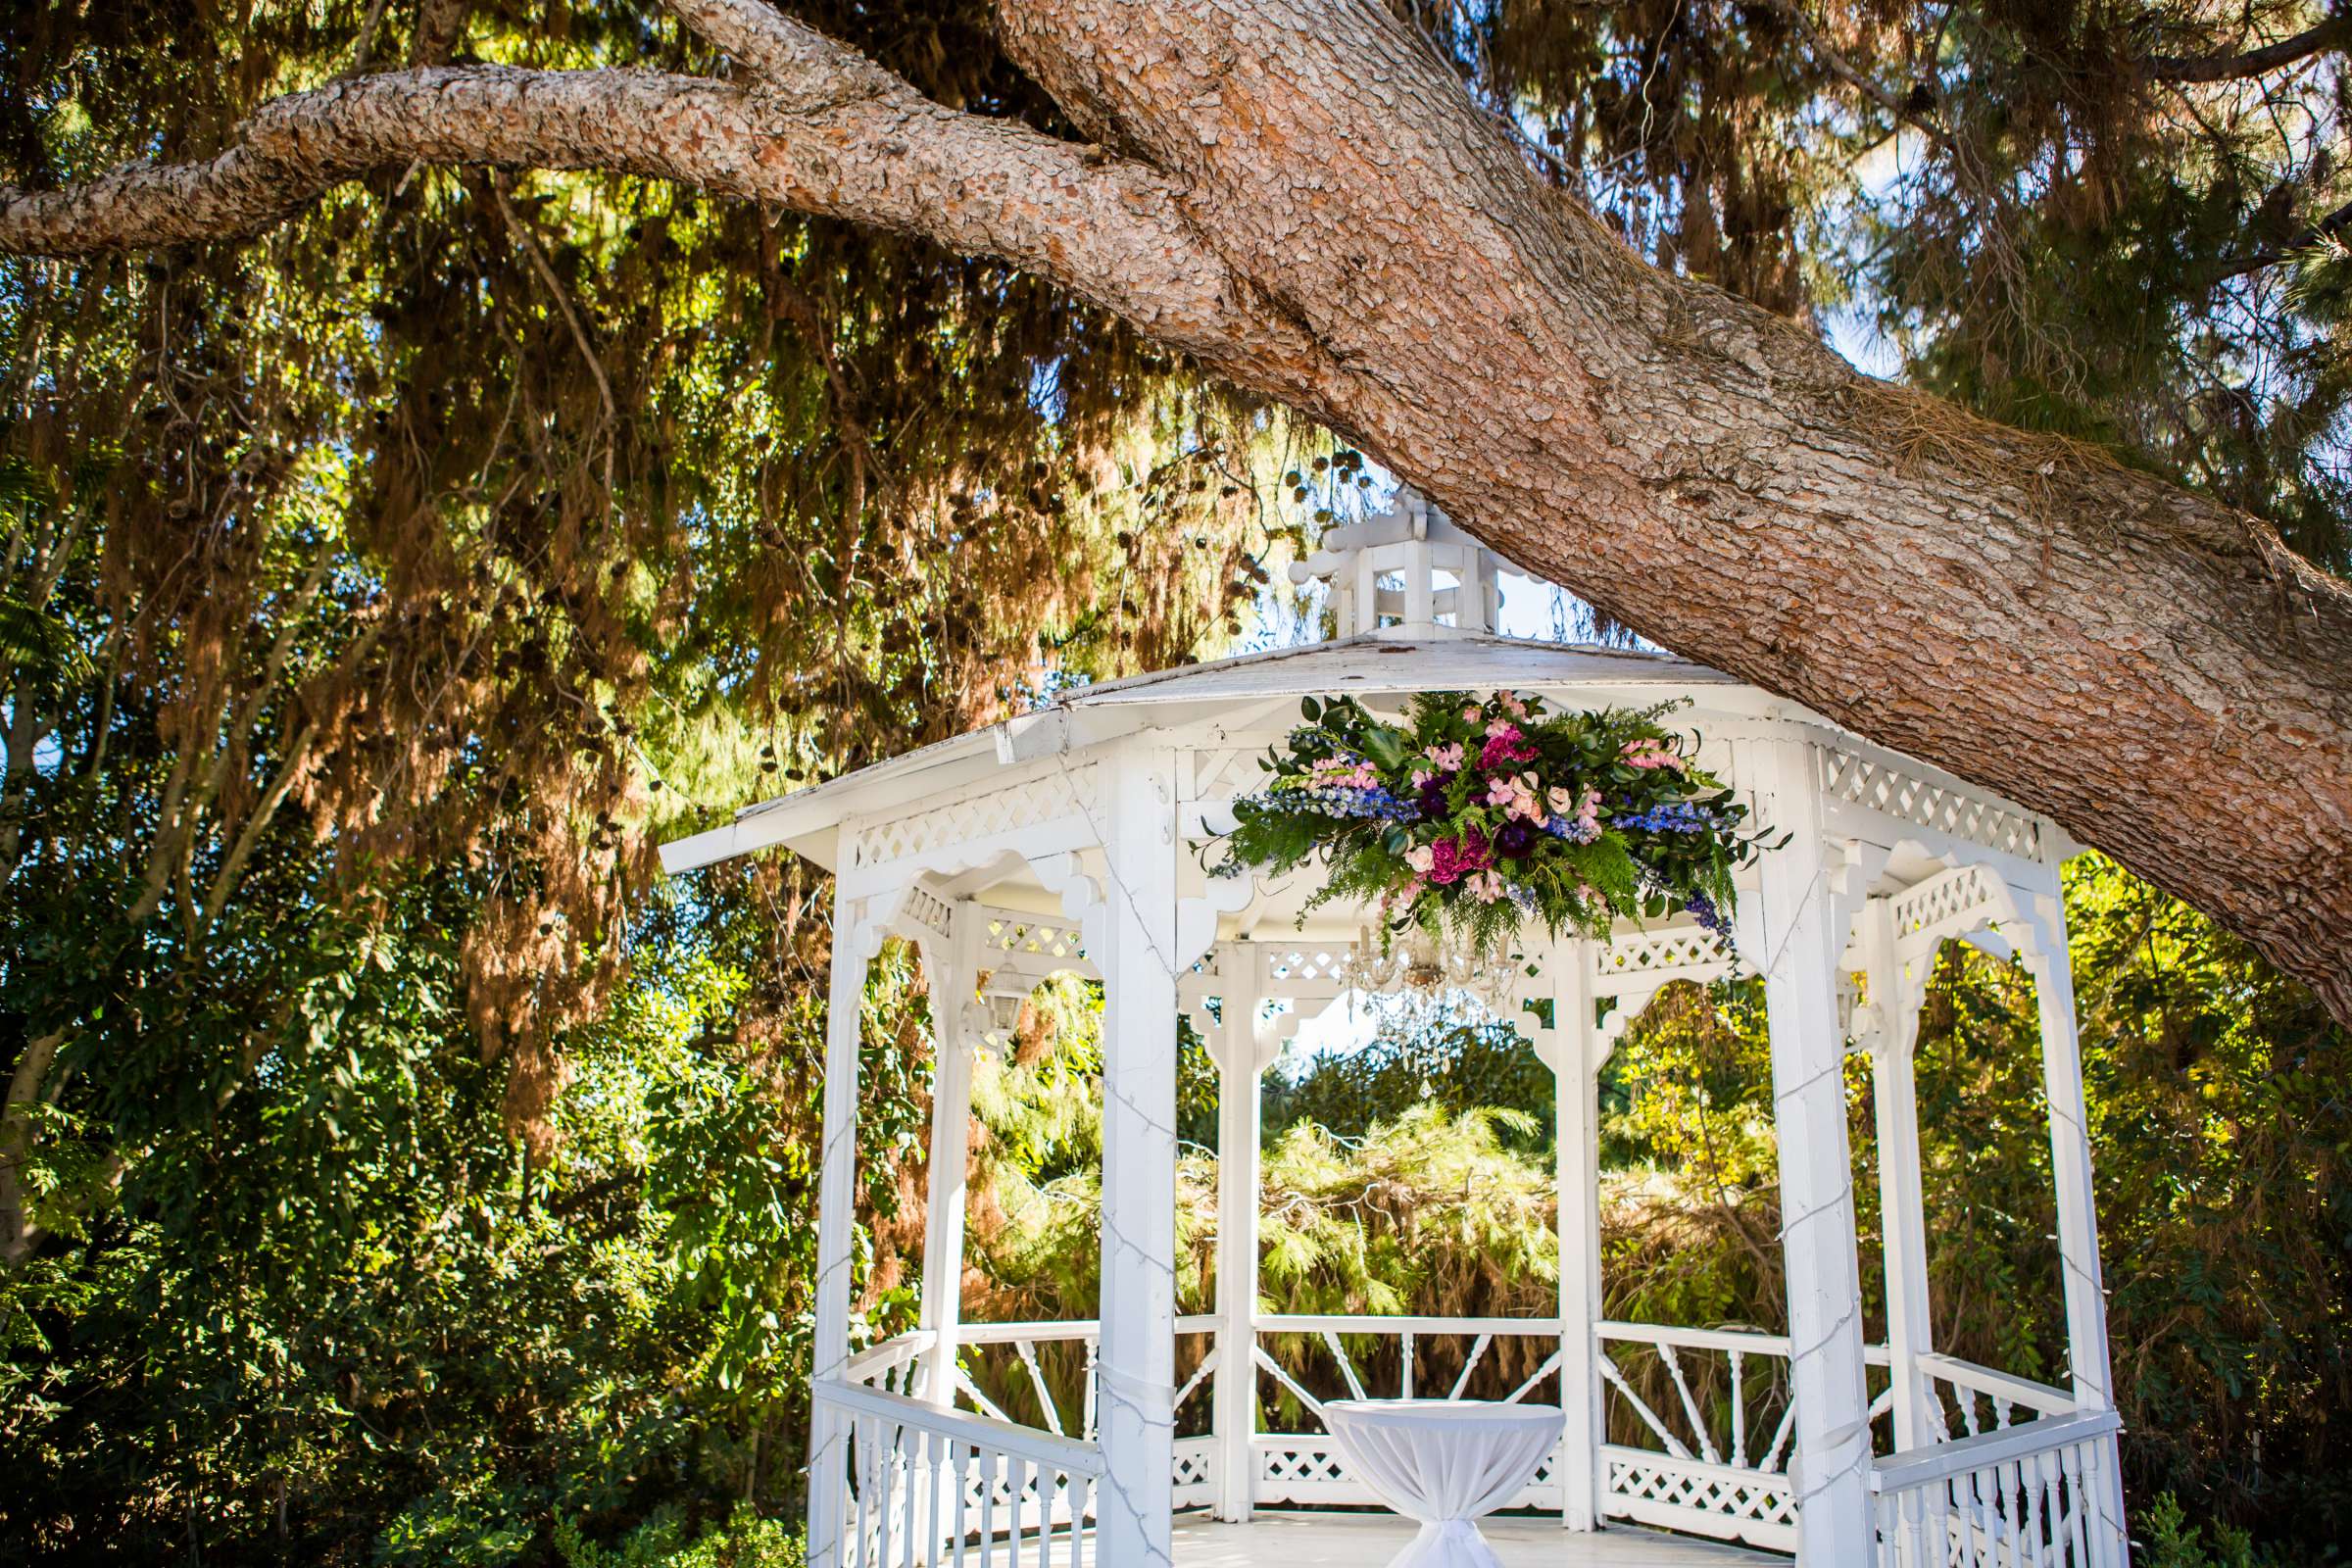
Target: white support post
<point>1238,1102</point>
<point>1902,1218</point>
<point>1794,942</point>
<point>836,1226</point>
<point>1136,1371</point>
<point>2069,1165</point>
<point>952,982</point>
<point>1576,1054</point>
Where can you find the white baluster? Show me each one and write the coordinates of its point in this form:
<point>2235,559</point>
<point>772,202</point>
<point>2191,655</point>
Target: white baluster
<point>1699,1425</point>
<point>1739,1415</point>
<point>1477,1350</point>
<point>988,1510</point>
<point>1356,1389</point>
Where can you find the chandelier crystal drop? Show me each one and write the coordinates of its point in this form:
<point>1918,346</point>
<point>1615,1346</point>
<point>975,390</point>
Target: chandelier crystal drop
<point>1418,964</point>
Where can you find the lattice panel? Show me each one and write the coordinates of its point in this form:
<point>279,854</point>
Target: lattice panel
<point>1303,971</point>
<point>1945,807</point>
<point>1675,950</point>
<point>1192,1465</point>
<point>1946,904</point>
<point>1301,1464</point>
<point>981,817</point>
<point>1049,943</point>
<point>1757,1499</point>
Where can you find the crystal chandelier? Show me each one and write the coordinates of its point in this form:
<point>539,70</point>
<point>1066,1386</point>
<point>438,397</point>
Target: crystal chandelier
<point>1416,963</point>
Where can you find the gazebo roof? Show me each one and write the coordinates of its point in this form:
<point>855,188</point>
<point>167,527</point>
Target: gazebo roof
<point>1386,663</point>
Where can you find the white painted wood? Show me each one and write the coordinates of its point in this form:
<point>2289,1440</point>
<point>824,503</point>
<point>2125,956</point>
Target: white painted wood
<point>1576,1070</point>
<point>1137,1370</point>
<point>1365,1541</point>
<point>835,1220</point>
<point>1798,952</point>
<point>1238,1086</point>
<point>952,987</point>
<point>2070,1165</point>
<point>1903,1235</point>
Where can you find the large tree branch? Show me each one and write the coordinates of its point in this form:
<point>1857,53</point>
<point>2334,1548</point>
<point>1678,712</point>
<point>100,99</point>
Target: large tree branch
<point>2150,667</point>
<point>820,130</point>
<point>2333,33</point>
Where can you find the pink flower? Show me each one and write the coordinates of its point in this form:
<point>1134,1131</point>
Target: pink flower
<point>1501,789</point>
<point>1503,729</point>
<point>1512,702</point>
<point>1500,751</point>
<point>1648,752</point>
<point>1488,885</point>
<point>1563,801</point>
<point>1472,715</point>
<point>1451,859</point>
<point>1449,759</point>
<point>1421,857</point>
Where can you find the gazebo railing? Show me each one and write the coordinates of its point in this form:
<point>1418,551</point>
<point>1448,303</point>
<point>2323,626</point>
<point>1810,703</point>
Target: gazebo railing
<point>1698,1437</point>
<point>918,1483</point>
<point>1966,1400</point>
<point>1699,1430</point>
<point>2028,1495</point>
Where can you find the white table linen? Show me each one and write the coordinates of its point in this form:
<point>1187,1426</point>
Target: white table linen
<point>1444,1464</point>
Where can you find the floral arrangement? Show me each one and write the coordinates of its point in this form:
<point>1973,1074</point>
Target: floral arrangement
<point>1476,816</point>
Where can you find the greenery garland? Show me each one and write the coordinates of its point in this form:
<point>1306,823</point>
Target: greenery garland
<point>1476,816</point>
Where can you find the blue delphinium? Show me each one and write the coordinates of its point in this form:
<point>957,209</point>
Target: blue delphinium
<point>1343,801</point>
<point>1677,816</point>
<point>1710,918</point>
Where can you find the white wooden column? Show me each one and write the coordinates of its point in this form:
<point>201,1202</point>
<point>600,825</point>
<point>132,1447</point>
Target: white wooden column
<point>1788,935</point>
<point>1136,1370</point>
<point>2069,1165</point>
<point>1576,1054</point>
<point>1239,1084</point>
<point>836,1225</point>
<point>955,973</point>
<point>1902,1220</point>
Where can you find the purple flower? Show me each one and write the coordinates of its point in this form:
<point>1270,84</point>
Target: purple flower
<point>1431,798</point>
<point>1515,840</point>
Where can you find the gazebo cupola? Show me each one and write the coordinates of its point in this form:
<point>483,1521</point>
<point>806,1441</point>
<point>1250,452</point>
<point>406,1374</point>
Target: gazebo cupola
<point>1407,571</point>
<point>1070,840</point>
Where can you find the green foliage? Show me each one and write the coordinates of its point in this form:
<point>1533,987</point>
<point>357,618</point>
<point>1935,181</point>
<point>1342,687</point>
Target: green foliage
<point>2163,1537</point>
<point>744,1541</point>
<point>1453,1061</point>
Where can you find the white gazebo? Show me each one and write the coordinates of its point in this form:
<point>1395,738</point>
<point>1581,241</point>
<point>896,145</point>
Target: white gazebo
<point>1066,840</point>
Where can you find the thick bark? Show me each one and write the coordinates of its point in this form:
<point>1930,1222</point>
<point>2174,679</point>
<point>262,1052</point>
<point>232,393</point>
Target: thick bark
<point>1305,198</point>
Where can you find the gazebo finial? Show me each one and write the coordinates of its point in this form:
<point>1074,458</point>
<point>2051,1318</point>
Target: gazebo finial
<point>1384,572</point>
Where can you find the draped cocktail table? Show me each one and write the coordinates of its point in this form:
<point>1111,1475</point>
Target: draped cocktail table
<point>1443,1462</point>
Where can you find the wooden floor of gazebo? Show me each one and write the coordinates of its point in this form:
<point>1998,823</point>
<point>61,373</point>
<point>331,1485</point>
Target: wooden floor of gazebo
<point>1368,1540</point>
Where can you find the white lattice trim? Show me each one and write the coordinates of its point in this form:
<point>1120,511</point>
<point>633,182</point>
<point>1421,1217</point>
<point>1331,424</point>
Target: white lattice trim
<point>1646,959</point>
<point>1908,796</point>
<point>1706,1499</point>
<point>1950,904</point>
<point>1027,947</point>
<point>1042,797</point>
